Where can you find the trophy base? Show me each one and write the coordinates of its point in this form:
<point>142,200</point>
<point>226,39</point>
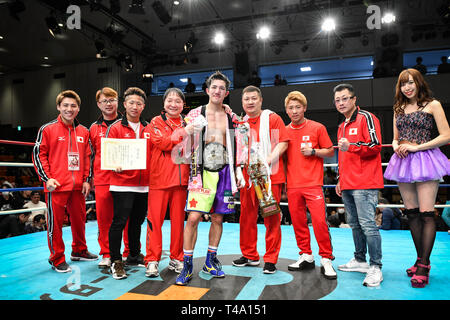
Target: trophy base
<point>269,210</point>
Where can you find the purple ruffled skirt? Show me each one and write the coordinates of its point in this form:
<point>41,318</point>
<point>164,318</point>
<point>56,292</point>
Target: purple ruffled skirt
<point>419,166</point>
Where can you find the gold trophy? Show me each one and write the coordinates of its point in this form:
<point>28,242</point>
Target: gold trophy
<point>268,206</point>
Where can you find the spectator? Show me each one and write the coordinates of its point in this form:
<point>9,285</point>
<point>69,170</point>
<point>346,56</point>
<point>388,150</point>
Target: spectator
<point>420,67</point>
<point>91,212</point>
<point>255,80</point>
<point>37,225</point>
<point>204,85</point>
<point>190,87</point>
<point>444,67</point>
<point>13,225</point>
<point>333,220</point>
<point>35,203</point>
<point>390,217</point>
<point>446,216</point>
<point>8,201</point>
<point>277,81</point>
<point>22,196</point>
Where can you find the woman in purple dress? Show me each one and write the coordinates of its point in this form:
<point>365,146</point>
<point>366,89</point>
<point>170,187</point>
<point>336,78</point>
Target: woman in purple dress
<point>418,164</point>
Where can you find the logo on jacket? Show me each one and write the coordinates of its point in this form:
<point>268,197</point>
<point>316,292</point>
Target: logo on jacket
<point>147,135</point>
<point>80,139</point>
<point>353,131</point>
<point>63,138</point>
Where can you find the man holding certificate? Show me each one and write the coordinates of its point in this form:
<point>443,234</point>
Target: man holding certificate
<point>107,102</point>
<point>129,180</point>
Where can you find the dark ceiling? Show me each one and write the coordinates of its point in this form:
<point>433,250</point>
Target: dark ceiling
<point>157,31</point>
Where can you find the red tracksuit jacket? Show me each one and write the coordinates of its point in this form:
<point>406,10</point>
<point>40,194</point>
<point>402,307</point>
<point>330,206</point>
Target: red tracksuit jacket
<point>122,130</point>
<point>165,173</point>
<point>50,154</point>
<point>97,131</point>
<point>360,166</point>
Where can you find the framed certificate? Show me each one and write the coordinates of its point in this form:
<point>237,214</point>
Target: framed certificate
<point>129,154</point>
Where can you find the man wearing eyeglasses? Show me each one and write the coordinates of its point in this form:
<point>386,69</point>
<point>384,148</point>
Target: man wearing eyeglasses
<point>107,102</point>
<point>129,188</point>
<point>360,177</point>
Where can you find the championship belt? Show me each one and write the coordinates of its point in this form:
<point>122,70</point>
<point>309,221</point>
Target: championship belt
<point>268,206</point>
<point>214,157</point>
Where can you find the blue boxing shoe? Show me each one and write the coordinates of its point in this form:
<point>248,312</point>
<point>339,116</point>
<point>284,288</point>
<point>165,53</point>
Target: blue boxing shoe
<point>212,266</point>
<point>186,274</point>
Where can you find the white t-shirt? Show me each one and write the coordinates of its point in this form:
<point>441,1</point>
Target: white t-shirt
<point>40,204</point>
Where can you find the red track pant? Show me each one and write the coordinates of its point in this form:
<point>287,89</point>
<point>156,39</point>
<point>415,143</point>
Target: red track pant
<point>249,229</point>
<point>311,197</point>
<point>75,204</point>
<point>105,210</point>
<point>157,208</point>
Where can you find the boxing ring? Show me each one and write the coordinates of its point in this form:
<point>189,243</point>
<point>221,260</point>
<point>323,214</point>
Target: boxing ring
<point>25,273</point>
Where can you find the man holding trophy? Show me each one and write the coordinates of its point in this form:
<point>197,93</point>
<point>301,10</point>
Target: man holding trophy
<point>262,180</point>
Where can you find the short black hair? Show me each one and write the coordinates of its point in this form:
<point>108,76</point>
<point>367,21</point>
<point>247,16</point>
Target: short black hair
<point>175,90</point>
<point>218,76</point>
<point>135,91</point>
<point>38,217</point>
<point>343,86</point>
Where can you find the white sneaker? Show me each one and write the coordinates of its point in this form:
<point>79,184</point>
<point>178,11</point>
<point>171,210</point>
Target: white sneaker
<point>354,265</point>
<point>176,265</point>
<point>306,261</point>
<point>105,263</point>
<point>374,277</point>
<point>327,269</point>
<point>152,269</point>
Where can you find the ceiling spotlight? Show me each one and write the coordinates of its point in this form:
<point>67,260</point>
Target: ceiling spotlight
<point>101,52</point>
<point>52,25</point>
<point>219,38</point>
<point>388,18</point>
<point>136,7</point>
<point>147,74</point>
<point>176,2</point>
<point>189,45</point>
<point>328,25</point>
<point>263,33</point>
<point>128,63</point>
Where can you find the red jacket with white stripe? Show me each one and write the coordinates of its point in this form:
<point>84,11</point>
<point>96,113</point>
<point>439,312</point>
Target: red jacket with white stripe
<point>164,172</point>
<point>50,154</point>
<point>360,166</point>
<point>97,131</point>
<point>133,178</point>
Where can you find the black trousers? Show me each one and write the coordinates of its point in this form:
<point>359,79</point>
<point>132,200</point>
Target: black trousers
<point>132,205</point>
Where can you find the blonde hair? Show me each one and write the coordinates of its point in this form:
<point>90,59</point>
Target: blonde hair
<point>68,94</point>
<point>107,92</point>
<point>297,96</point>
